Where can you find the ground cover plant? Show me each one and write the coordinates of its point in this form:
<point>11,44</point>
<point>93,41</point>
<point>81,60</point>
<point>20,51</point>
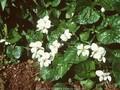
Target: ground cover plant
<point>59,44</point>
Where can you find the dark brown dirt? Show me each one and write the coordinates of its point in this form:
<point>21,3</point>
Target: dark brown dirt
<point>43,86</point>
<point>20,77</point>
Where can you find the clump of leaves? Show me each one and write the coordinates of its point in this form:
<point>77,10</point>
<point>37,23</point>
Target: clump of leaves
<point>86,22</point>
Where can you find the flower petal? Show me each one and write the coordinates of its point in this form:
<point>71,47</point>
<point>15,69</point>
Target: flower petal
<point>99,73</point>
<point>109,78</point>
<point>47,63</point>
<point>97,56</point>
<point>86,46</point>
<point>101,78</point>
<point>85,53</point>
<point>63,37</point>
<point>80,46</point>
<point>79,52</point>
<point>2,40</point>
<point>94,47</point>
<point>104,59</point>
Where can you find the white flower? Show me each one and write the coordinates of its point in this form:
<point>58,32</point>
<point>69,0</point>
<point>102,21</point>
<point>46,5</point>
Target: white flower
<point>102,9</point>
<point>53,50</point>
<point>40,24</point>
<point>43,24</point>
<point>103,76</point>
<point>36,48</point>
<point>2,40</point>
<point>98,52</point>
<point>46,55</point>
<point>56,44</point>
<point>102,59</point>
<point>54,47</point>
<point>81,49</point>
<point>94,47</point>
<point>45,31</point>
<point>45,63</point>
<point>36,44</point>
<point>34,55</point>
<point>67,35</point>
<point>47,22</point>
<point>33,50</point>
<point>40,53</point>
<point>7,43</point>
<point>45,59</point>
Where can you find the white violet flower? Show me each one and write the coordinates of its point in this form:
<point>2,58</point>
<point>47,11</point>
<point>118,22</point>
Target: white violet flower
<point>103,76</point>
<point>45,60</point>
<point>54,47</point>
<point>4,41</point>
<point>102,9</point>
<point>98,52</point>
<point>44,24</point>
<point>67,35</point>
<point>36,44</point>
<point>7,43</point>
<point>35,48</point>
<point>83,49</point>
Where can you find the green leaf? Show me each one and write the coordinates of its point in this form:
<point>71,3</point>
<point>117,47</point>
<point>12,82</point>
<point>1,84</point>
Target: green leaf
<point>61,70</point>
<point>17,52</point>
<point>111,35</point>
<point>32,36</point>
<point>55,73</point>
<point>60,86</point>
<point>87,65</point>
<point>55,13</point>
<point>84,36</point>
<point>115,56</point>
<point>70,9</point>
<point>85,69</point>
<point>47,74</point>
<point>5,30</point>
<point>81,4</point>
<point>14,36</point>
<point>9,52</point>
<point>54,35</point>
<point>88,16</point>
<point>55,3</point>
<point>116,70</point>
<point>87,84</point>
<point>3,3</point>
<point>14,52</point>
<point>113,21</point>
<point>70,57</point>
<point>60,65</point>
<point>99,87</point>
<point>71,26</point>
<point>116,53</point>
<point>109,4</point>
